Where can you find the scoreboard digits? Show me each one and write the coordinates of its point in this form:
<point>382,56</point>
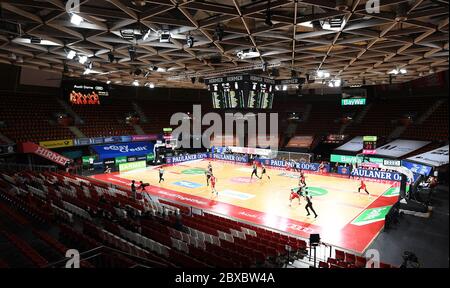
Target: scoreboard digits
<point>369,144</point>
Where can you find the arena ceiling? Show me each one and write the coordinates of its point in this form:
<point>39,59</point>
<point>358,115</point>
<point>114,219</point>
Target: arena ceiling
<point>288,35</point>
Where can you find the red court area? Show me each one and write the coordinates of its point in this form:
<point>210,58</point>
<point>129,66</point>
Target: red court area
<point>361,225</point>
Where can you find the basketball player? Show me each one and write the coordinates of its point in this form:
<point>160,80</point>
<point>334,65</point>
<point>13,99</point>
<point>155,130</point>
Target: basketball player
<point>255,170</point>
<point>210,167</point>
<point>363,187</point>
<point>309,204</point>
<point>264,172</point>
<point>294,195</point>
<point>213,185</point>
<point>208,176</point>
<point>161,174</point>
<point>321,167</point>
<point>302,179</point>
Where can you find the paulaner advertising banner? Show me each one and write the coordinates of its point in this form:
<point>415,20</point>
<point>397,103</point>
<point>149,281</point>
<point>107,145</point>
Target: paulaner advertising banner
<point>376,174</point>
<point>185,158</point>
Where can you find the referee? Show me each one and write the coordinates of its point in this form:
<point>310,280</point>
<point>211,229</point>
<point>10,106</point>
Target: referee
<point>309,204</point>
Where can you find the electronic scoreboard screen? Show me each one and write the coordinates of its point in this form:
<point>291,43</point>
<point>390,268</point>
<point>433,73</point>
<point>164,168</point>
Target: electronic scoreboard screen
<point>370,144</point>
<point>84,92</point>
<point>241,91</point>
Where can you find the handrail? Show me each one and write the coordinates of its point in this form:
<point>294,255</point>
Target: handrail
<point>95,252</point>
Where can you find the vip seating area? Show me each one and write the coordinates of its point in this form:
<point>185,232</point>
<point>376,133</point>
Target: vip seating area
<point>45,213</point>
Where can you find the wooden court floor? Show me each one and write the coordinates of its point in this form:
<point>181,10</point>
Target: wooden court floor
<point>335,199</point>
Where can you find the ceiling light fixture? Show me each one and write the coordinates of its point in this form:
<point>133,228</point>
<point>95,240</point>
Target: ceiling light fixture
<point>75,19</point>
<point>82,59</point>
<point>71,54</point>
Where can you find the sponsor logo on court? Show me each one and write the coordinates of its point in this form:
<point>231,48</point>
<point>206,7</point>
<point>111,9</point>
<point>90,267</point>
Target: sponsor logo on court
<point>236,194</point>
<point>393,191</point>
<point>194,171</point>
<point>289,175</point>
<point>243,180</point>
<point>372,215</point>
<point>188,184</point>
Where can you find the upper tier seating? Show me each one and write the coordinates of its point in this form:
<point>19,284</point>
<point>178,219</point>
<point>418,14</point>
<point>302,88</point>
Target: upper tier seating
<point>382,117</point>
<point>435,127</point>
<point>27,118</point>
<point>105,120</point>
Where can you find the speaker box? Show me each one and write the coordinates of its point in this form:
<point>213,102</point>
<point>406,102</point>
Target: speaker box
<point>314,239</point>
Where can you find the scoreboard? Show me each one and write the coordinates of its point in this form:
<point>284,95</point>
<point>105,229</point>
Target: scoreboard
<point>241,91</point>
<point>370,144</point>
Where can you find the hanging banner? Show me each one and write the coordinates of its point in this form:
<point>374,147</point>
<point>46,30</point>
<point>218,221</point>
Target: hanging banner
<point>30,147</point>
<point>436,157</point>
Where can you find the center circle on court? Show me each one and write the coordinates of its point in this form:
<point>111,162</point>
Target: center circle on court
<point>243,180</point>
<point>193,171</point>
<point>317,191</point>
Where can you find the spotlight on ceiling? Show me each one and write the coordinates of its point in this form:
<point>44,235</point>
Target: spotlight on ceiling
<point>35,40</point>
<point>71,54</point>
<point>336,22</point>
<point>108,82</point>
<point>248,53</point>
<point>151,85</point>
<point>75,19</point>
<point>136,83</point>
<point>190,41</point>
<point>164,37</point>
<point>82,59</point>
<point>323,74</point>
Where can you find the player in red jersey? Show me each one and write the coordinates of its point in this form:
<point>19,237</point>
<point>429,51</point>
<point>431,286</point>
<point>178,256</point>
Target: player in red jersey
<point>294,195</point>
<point>213,181</point>
<point>363,187</point>
<point>302,181</point>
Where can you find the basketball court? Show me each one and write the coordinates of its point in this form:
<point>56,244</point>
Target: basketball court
<point>347,219</point>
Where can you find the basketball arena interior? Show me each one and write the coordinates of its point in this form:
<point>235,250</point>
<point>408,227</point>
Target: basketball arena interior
<point>224,134</point>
